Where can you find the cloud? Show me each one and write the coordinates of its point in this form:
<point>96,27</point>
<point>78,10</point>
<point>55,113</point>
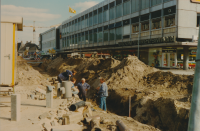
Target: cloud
<point>85,5</point>
<point>28,13</point>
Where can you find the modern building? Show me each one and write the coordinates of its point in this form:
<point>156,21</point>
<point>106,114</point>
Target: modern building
<point>167,31</point>
<point>49,41</point>
<point>8,48</point>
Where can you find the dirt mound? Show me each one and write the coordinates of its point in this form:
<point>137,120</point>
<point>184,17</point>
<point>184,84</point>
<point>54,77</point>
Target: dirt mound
<point>27,76</point>
<point>158,98</point>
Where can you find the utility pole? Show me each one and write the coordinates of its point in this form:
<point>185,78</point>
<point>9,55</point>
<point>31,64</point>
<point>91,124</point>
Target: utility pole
<point>34,32</point>
<point>194,118</point>
<point>138,54</point>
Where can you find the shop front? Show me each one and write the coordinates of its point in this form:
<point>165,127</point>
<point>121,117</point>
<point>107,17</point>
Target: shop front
<point>171,57</point>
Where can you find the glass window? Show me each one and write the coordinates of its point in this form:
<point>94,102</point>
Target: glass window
<point>95,37</point>
<point>86,22</point>
<point>145,26</point>
<point>79,40</point>
<point>155,58</point>
<point>127,7</point>
<point>118,10</point>
<point>86,39</point>
<point>100,17</point>
<point>105,35</point>
<point>198,19</point>
<point>83,24</point>
<point>166,0</point>
<point>135,28</point>
<point>90,21</point>
<point>75,40</point>
<point>112,34</point>
<point>83,40</point>
<point>112,13</point>
<point>156,24</point>
<point>72,40</point>
<point>100,37</point>
<point>118,33</point>
<point>90,38</point>
<point>126,30</point>
<point>155,2</point>
<point>105,16</point>
<point>169,21</point>
<point>144,4</point>
<point>95,20</point>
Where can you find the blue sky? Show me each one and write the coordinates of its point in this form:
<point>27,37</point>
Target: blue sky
<point>44,12</point>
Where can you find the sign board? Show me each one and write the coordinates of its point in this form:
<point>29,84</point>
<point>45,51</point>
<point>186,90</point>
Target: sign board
<point>193,52</point>
<point>149,41</point>
<point>195,1</point>
<point>168,50</point>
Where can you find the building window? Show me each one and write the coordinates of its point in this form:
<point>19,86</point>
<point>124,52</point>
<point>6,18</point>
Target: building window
<point>166,0</point>
<point>156,24</point>
<point>135,28</point>
<point>86,38</point>
<point>155,2</point>
<point>90,37</point>
<point>112,13</point>
<point>118,33</point>
<point>95,37</point>
<point>112,35</point>
<point>126,30</point>
<point>83,24</point>
<point>90,21</point>
<point>144,4</point>
<point>105,16</point>
<point>118,10</point>
<point>79,39</point>
<point>169,21</point>
<point>95,18</point>
<point>105,35</point>
<point>127,7</point>
<point>83,38</point>
<point>198,19</point>
<point>145,26</point>
<point>100,19</point>
<point>100,37</point>
<point>75,40</point>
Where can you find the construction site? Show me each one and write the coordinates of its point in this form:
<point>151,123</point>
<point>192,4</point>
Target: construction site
<point>159,100</point>
<point>104,70</point>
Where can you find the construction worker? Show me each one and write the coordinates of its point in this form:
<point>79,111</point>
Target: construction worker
<point>74,88</point>
<point>103,93</point>
<point>83,88</point>
<point>66,75</point>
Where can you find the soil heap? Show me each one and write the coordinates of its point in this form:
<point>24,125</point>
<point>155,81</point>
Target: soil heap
<point>160,99</point>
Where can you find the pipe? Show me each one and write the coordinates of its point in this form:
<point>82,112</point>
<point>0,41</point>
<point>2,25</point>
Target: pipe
<point>58,89</point>
<point>194,118</point>
<point>68,92</point>
<point>95,124</point>
<point>77,105</point>
<point>122,126</point>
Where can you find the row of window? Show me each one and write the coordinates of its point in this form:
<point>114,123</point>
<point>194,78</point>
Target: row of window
<point>103,16</point>
<point>49,34</point>
<point>49,44</point>
<point>111,32</point>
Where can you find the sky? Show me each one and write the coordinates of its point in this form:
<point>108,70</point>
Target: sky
<point>45,13</point>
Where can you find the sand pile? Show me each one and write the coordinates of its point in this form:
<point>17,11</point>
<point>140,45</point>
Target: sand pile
<point>158,98</point>
<point>27,76</point>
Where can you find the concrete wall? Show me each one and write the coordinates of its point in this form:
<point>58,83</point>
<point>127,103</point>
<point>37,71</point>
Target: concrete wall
<point>187,18</point>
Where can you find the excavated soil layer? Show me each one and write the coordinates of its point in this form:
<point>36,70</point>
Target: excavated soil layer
<point>160,99</point>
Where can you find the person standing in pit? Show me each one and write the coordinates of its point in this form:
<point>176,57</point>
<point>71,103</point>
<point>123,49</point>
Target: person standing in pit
<point>103,93</point>
<point>83,88</point>
<point>66,75</point>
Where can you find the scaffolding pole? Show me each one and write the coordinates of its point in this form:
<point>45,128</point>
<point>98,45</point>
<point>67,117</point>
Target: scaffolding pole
<point>194,118</point>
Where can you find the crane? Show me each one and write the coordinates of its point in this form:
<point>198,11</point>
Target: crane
<point>34,35</point>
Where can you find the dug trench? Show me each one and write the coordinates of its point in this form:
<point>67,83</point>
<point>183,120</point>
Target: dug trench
<point>160,99</point>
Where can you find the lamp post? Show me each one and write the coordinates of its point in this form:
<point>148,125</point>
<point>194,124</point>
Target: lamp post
<point>138,54</point>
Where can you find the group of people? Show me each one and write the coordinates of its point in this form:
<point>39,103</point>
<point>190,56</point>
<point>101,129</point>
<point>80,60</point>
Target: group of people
<point>82,87</point>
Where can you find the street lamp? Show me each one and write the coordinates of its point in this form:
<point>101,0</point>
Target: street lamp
<point>138,54</point>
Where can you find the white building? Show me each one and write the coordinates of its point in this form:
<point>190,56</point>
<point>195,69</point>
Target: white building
<point>8,48</point>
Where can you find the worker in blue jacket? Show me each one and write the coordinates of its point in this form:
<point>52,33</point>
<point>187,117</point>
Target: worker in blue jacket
<point>83,88</point>
<point>103,93</point>
<point>66,75</point>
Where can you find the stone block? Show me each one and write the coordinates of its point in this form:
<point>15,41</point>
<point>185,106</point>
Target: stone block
<point>72,118</point>
<point>15,107</point>
<point>44,115</point>
<point>87,112</point>
<point>60,122</point>
<point>49,98</point>
<point>88,119</point>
